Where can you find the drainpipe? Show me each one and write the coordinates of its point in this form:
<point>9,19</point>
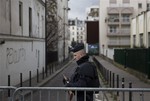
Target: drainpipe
<point>10,17</point>
<point>46,36</point>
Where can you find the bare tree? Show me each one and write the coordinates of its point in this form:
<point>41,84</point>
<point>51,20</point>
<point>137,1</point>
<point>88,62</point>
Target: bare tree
<point>52,25</point>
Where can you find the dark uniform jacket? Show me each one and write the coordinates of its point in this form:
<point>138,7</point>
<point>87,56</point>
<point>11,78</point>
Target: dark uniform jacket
<point>85,75</point>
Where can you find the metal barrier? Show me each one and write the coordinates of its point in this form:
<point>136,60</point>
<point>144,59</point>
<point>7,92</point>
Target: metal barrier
<point>6,93</point>
<point>61,94</point>
<point>9,93</point>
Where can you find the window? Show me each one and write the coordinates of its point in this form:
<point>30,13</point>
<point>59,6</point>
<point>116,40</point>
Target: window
<point>72,27</point>
<point>140,5</point>
<point>148,39</point>
<point>30,21</point>
<point>20,13</point>
<point>148,6</point>
<point>38,23</point>
<point>112,1</point>
<point>125,18</point>
<point>134,40</point>
<point>141,40</point>
<point>113,29</point>
<point>126,1</point>
<point>113,18</point>
<point>72,39</point>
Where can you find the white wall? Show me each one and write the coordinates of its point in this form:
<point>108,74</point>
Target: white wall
<point>37,22</point>
<point>4,16</point>
<point>148,21</point>
<point>102,25</point>
<point>21,53</point>
<point>140,24</point>
<point>21,57</point>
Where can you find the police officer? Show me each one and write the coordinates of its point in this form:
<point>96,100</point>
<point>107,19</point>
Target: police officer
<point>85,74</point>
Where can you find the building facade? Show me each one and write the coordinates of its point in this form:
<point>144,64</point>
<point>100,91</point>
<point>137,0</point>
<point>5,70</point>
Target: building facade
<point>92,13</point>
<point>140,31</point>
<point>22,39</point>
<point>92,30</point>
<point>115,23</point>
<point>77,31</point>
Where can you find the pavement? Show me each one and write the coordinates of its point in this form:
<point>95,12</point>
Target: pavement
<point>128,78</point>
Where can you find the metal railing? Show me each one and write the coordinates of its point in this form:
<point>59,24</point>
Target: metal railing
<point>62,94</point>
<point>6,92</point>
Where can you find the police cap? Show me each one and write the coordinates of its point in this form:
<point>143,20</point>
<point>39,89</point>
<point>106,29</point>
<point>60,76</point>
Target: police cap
<point>78,47</point>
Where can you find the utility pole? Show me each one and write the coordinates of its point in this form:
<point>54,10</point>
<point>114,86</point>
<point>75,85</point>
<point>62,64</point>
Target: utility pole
<point>46,36</point>
<point>64,34</point>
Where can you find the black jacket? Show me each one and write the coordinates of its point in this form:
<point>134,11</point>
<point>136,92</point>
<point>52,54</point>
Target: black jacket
<point>84,76</point>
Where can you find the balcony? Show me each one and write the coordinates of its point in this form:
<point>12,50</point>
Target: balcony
<point>118,32</point>
<point>119,43</point>
<point>125,21</point>
<point>117,21</point>
<point>113,21</point>
<point>120,10</point>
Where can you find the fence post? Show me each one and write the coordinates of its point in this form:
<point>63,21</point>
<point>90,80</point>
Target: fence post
<point>113,80</point>
<point>130,93</point>
<point>30,78</point>
<point>20,79</point>
<point>117,84</point>
<point>9,85</point>
<point>123,93</point>
<point>43,73</point>
<point>37,75</point>
<point>148,63</point>
<point>110,79</point>
<point>125,52</point>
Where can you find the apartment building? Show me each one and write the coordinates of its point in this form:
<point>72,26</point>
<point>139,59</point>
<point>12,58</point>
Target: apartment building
<point>92,29</point>
<point>22,39</point>
<point>77,31</point>
<point>115,23</point>
<point>92,13</point>
<point>140,30</point>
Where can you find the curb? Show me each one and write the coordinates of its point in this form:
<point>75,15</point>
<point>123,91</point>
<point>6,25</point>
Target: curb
<point>53,75</point>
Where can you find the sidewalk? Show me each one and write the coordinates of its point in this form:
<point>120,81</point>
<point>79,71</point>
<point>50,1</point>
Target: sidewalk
<point>50,75</point>
<point>129,78</point>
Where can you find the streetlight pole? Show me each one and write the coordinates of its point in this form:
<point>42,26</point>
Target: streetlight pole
<point>46,36</point>
<point>64,34</point>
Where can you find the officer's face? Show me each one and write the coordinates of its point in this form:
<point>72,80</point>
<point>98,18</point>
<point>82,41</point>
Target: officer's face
<point>77,56</point>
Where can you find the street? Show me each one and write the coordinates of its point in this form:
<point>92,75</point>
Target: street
<point>54,95</point>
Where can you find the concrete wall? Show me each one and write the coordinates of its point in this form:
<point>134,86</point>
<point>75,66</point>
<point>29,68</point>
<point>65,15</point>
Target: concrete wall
<point>140,25</point>
<point>20,52</point>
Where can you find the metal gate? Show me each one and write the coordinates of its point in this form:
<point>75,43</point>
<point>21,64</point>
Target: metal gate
<point>62,94</point>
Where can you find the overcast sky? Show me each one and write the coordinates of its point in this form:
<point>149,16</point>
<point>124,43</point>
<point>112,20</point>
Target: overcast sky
<point>78,8</point>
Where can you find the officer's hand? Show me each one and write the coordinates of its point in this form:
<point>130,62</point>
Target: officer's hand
<point>65,80</point>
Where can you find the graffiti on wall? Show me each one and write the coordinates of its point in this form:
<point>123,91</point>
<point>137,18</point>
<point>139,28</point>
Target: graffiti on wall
<point>15,56</point>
